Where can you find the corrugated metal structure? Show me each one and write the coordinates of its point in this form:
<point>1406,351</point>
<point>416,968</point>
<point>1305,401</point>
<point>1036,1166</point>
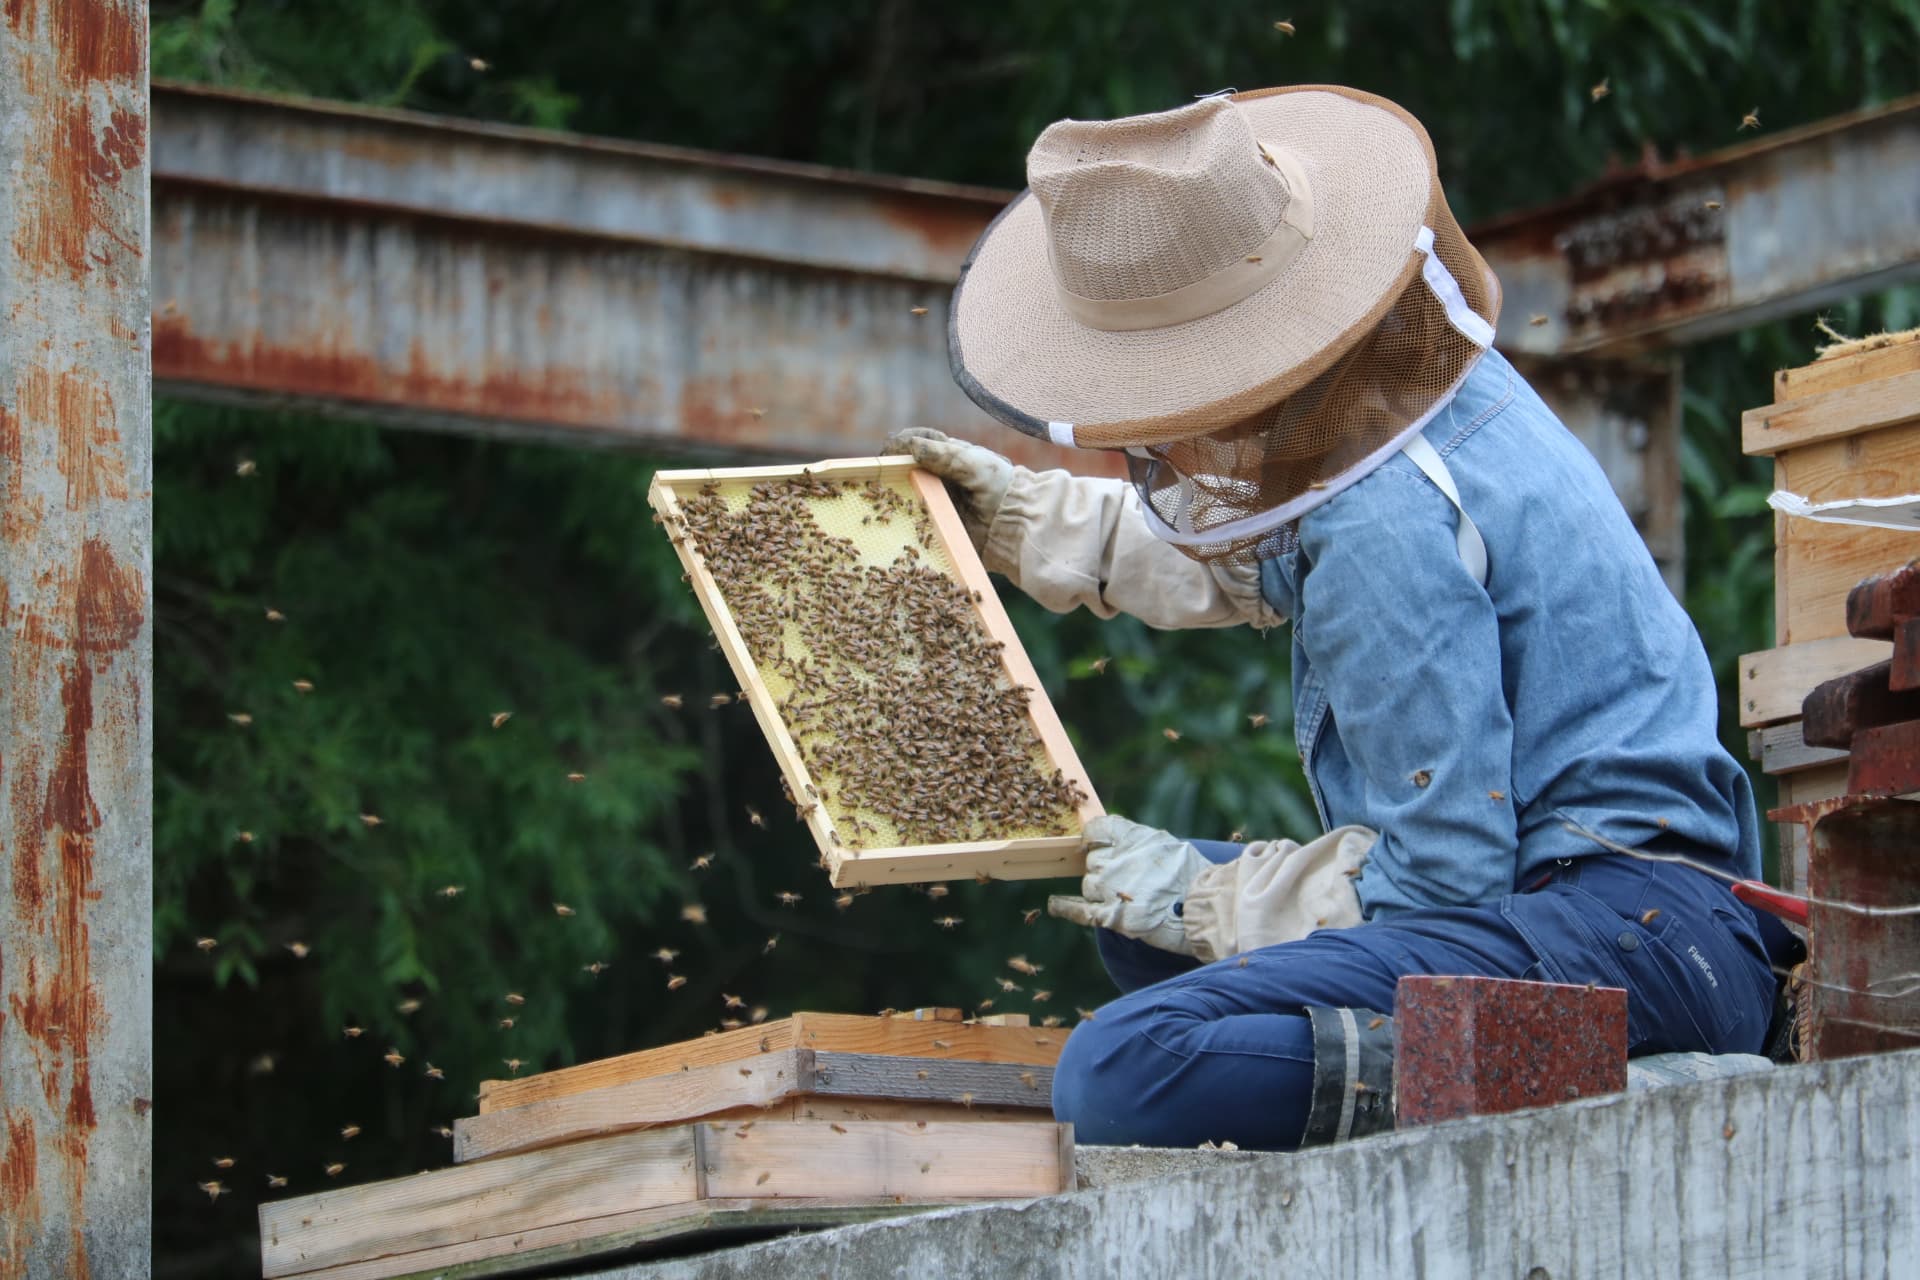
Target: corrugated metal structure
<point>1670,252</point>
<point>486,278</point>
<point>76,734</point>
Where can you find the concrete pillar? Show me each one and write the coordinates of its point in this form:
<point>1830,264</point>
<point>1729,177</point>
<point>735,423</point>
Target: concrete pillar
<point>76,662</point>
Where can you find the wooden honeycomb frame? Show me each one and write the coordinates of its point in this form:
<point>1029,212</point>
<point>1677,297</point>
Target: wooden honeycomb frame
<point>1013,858</point>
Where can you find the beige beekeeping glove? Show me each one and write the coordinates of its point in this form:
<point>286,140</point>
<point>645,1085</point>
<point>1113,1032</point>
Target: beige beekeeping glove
<point>1136,876</point>
<point>1075,542</point>
<point>1276,891</point>
<point>976,476</point>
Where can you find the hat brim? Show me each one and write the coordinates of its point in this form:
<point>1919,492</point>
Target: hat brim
<point>1018,354</point>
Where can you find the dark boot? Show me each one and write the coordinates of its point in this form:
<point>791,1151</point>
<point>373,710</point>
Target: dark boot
<point>1352,1075</point>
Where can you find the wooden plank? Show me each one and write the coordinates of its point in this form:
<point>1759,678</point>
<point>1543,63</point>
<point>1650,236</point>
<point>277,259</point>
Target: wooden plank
<point>473,1202</point>
<point>813,1107</point>
<point>1818,564</point>
<point>1781,749</point>
<point>916,1161</point>
<point>572,1244</point>
<point>873,1075</point>
<point>821,1032</point>
<point>1027,857</point>
<point>1845,371</point>
<point>1828,415</point>
<point>1774,682</point>
<point>673,1098</point>
<point>736,1088</point>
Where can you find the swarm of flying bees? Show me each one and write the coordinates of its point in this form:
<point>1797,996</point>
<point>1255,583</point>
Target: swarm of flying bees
<point>890,686</point>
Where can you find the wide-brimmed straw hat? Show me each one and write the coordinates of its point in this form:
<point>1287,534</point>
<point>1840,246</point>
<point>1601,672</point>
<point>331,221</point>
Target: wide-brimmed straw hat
<point>1172,274</point>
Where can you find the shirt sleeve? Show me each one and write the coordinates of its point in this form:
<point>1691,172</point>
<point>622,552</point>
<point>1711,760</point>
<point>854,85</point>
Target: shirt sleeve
<point>1079,542</point>
<point>1407,644</point>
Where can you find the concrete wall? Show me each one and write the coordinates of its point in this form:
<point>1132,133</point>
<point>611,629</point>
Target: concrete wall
<point>1805,1172</point>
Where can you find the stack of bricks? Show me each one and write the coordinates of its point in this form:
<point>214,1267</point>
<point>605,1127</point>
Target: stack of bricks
<point>1863,842</point>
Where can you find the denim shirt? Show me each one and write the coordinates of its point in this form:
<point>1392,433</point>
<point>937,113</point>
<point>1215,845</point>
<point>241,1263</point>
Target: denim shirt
<point>1469,725</point>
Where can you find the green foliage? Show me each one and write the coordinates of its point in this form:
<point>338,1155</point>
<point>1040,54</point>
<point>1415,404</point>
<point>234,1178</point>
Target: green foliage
<point>428,582</point>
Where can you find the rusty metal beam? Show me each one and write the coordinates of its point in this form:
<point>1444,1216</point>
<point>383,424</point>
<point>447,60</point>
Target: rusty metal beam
<point>1671,252</point>
<point>441,273</point>
<point>76,729</point>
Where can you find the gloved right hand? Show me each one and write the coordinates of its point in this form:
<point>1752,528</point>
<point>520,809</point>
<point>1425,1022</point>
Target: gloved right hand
<point>976,476</point>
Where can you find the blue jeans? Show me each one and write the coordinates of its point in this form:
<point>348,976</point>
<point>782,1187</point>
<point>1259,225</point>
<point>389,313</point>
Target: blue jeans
<point>1223,1052</point>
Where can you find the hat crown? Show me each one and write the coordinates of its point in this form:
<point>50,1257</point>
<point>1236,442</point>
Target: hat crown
<point>1144,206</point>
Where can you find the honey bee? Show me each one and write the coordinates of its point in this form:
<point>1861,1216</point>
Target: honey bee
<point>1020,964</point>
<point>1086,1015</point>
<point>919,311</point>
<point>948,922</point>
<point>719,700</point>
<point>371,819</point>
<point>731,1002</point>
<point>274,1180</point>
<point>213,1189</point>
<point>562,910</point>
<point>597,968</point>
<point>206,944</point>
<point>1711,206</point>
<point>1257,720</point>
<point>299,949</point>
<point>753,816</point>
<point>1051,1020</point>
<point>435,1073</point>
<point>1029,1079</point>
<point>514,998</point>
<point>244,837</point>
<point>1536,319</point>
<point>787,898</point>
<point>842,902</point>
<point>694,913</point>
<point>1650,915</point>
<point>501,717</point>
<point>1284,28</point>
<point>772,942</point>
<point>1751,120</point>
<point>1008,984</point>
<point>1600,90</point>
<point>304,686</point>
<point>1171,735</point>
<point>702,862</point>
<point>442,1130</point>
<point>675,982</point>
<point>274,615</point>
<point>672,700</point>
<point>576,777</point>
<point>223,1162</point>
<point>451,891</point>
<point>1496,796</point>
<point>245,467</point>
<point>394,1057</point>
<point>1029,916</point>
<point>352,1033</point>
<point>240,718</point>
<point>505,1024</point>
<point>1041,997</point>
<point>480,64</point>
<point>512,1065</point>
<point>335,1169</point>
<point>665,955</point>
<point>758,1015</point>
<point>937,891</point>
<point>349,1132</point>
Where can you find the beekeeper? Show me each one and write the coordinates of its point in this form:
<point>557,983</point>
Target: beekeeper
<point>1264,302</point>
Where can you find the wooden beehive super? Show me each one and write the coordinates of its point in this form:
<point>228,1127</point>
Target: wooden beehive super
<point>913,735</point>
<point>1847,426</point>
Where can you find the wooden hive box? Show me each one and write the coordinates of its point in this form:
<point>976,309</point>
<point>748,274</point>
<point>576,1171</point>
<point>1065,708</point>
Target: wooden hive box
<point>929,1065</point>
<point>881,720</point>
<point>1844,427</point>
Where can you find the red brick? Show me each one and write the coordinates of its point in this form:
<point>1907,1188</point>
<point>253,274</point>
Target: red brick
<point>1481,1046</point>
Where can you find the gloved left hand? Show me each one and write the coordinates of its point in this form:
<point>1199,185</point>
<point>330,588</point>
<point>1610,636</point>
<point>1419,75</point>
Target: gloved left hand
<point>1135,877</point>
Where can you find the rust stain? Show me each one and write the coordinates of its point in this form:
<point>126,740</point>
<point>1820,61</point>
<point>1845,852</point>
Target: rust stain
<point>18,11</point>
<point>558,395</point>
<point>77,173</point>
<point>29,848</point>
<point>945,229</point>
<point>19,1196</point>
<point>10,437</point>
<point>89,446</point>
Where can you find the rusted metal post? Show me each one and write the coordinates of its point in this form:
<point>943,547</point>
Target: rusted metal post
<point>76,732</point>
<point>1862,998</point>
